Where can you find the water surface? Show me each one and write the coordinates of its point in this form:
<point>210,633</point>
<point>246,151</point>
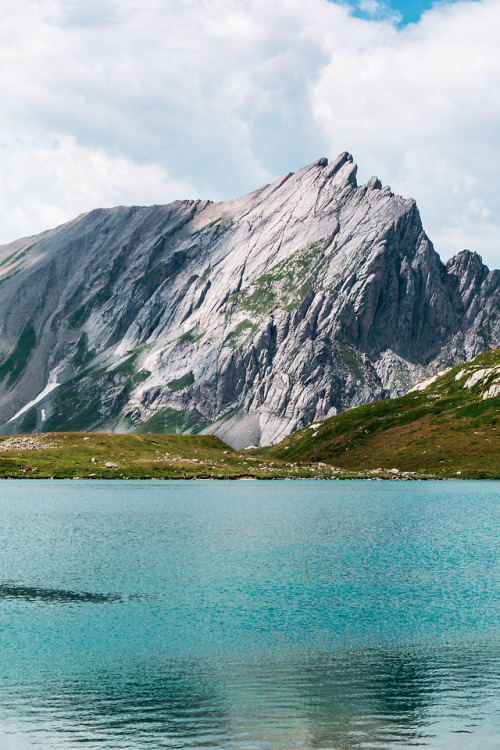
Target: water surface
<point>249,615</point>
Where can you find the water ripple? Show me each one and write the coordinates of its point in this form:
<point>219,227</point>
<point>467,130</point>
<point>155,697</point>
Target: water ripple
<point>346,617</point>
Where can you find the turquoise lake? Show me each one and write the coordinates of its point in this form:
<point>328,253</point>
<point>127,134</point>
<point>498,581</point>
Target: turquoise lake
<point>249,615</point>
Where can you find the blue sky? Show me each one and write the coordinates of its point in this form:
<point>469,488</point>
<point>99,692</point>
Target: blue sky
<point>410,11</point>
<point>108,102</point>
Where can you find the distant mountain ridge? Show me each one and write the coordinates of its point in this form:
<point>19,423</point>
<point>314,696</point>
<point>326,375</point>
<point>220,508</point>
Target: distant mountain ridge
<point>248,318</point>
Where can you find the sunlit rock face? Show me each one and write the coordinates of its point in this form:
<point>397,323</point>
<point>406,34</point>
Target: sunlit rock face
<point>248,318</point>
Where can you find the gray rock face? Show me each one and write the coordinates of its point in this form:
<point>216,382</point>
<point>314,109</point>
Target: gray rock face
<point>248,318</point>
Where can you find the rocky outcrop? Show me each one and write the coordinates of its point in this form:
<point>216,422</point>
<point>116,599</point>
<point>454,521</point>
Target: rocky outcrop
<point>247,318</point>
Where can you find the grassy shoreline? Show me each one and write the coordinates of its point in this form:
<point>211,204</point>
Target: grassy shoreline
<point>132,456</point>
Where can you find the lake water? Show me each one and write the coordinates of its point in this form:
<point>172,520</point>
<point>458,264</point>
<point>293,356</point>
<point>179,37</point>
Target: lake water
<point>249,615</point>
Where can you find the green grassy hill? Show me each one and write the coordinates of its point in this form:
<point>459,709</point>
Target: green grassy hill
<point>449,425</point>
<point>94,455</point>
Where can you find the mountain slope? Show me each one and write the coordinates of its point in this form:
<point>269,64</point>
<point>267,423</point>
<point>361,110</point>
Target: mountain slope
<point>447,425</point>
<point>248,318</point>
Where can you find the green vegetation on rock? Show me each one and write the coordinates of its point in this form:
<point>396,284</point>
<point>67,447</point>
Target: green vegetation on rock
<point>28,423</point>
<point>77,405</point>
<point>16,362</point>
<point>93,397</point>
<point>15,257</point>
<point>204,276</point>
<point>126,371</point>
<point>82,355</point>
<point>175,421</point>
<point>151,275</point>
<point>352,361</point>
<point>244,328</point>
<point>141,376</point>
<point>180,383</point>
<point>79,316</point>
<point>191,336</point>
<point>82,313</point>
<point>74,411</point>
<point>285,285</point>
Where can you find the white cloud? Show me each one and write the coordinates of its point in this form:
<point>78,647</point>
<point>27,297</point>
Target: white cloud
<point>421,108</point>
<point>43,185</point>
<point>143,101</point>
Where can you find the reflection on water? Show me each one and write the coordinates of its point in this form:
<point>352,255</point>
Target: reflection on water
<point>56,596</point>
<point>370,698</point>
<point>337,616</point>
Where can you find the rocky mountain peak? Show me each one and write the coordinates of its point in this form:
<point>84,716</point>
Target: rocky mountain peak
<point>466,273</point>
<point>468,263</point>
<point>374,184</point>
<point>248,318</point>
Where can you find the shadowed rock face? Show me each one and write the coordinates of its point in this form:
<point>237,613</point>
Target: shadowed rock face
<point>248,318</point>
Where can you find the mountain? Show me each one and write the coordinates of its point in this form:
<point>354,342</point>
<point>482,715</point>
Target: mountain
<point>248,318</point>
<point>448,425</point>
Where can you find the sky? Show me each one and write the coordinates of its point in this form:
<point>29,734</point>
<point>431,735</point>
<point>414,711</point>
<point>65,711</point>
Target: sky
<point>109,102</point>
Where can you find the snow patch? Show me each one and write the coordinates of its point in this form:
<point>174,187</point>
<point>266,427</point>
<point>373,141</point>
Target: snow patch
<point>51,385</point>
